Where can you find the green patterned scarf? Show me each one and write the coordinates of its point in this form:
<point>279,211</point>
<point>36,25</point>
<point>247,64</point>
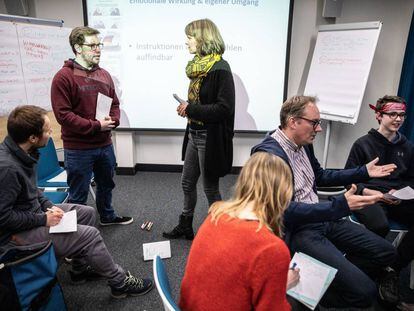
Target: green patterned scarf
<point>196,70</point>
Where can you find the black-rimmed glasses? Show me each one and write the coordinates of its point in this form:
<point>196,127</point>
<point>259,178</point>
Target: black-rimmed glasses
<point>393,115</point>
<point>94,46</point>
<point>314,123</point>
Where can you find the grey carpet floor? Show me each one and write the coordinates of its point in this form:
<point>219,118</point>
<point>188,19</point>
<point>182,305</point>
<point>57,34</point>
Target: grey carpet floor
<point>146,196</point>
<point>156,197</point>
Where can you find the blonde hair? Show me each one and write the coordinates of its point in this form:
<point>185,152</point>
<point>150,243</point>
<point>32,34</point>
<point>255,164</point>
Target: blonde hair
<point>266,182</point>
<point>207,35</point>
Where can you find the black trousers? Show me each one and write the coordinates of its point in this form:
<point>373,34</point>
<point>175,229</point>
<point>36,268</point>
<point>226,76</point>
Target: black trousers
<point>366,255</point>
<point>375,218</point>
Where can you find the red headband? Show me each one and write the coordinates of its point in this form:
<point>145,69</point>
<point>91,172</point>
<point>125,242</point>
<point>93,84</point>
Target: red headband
<point>389,107</point>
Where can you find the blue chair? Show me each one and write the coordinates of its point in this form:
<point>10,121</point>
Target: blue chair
<point>56,197</point>
<point>163,286</point>
<point>401,230</point>
<point>48,167</point>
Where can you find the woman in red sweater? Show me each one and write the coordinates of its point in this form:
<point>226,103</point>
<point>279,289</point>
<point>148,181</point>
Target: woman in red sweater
<point>238,260</point>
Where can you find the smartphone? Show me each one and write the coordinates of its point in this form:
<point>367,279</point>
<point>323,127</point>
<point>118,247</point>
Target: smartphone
<point>180,100</point>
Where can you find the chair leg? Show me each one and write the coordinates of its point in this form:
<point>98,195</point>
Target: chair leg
<point>92,192</point>
<point>412,275</point>
<point>398,239</point>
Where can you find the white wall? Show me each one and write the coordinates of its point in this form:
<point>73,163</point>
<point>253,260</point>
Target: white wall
<point>165,148</point>
<point>2,7</point>
<point>70,11</point>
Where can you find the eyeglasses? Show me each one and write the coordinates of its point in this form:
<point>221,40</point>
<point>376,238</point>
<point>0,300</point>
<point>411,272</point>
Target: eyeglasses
<point>315,123</point>
<point>393,115</point>
<point>94,47</point>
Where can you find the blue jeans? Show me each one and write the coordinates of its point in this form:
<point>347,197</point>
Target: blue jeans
<point>192,169</point>
<point>366,254</point>
<point>79,165</point>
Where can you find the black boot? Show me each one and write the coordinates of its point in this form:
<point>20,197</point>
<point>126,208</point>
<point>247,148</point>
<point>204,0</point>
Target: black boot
<point>184,229</point>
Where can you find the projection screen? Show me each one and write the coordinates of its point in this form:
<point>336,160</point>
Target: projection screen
<point>145,52</point>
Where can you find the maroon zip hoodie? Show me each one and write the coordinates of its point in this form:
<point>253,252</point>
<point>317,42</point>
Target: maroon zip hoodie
<point>74,94</point>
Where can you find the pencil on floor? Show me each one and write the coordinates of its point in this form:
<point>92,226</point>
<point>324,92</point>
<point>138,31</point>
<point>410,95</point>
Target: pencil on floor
<point>144,225</point>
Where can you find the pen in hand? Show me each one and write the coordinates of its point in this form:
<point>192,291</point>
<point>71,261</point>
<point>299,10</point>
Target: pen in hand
<point>293,276</point>
<point>53,217</point>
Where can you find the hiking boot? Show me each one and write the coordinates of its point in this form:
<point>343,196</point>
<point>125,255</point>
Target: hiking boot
<point>388,287</point>
<point>79,277</point>
<point>118,220</point>
<point>132,286</point>
<point>184,229</point>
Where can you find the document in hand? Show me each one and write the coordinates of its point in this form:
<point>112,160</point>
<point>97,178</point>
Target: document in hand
<point>406,193</point>
<point>103,106</point>
<point>68,223</point>
<point>315,278</point>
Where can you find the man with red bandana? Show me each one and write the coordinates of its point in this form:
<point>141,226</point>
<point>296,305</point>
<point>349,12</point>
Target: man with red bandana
<point>391,147</point>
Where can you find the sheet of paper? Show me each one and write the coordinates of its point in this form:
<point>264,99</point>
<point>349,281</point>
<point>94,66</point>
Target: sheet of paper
<point>162,249</point>
<point>62,177</point>
<point>68,223</point>
<point>103,106</point>
<point>315,278</point>
<point>406,193</point>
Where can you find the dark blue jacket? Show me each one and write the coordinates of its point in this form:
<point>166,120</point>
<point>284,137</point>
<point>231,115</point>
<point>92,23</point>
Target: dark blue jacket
<point>299,214</point>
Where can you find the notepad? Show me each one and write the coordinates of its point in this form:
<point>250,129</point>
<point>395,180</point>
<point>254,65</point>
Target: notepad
<point>315,278</point>
<point>68,223</point>
<point>103,106</point>
<point>406,193</point>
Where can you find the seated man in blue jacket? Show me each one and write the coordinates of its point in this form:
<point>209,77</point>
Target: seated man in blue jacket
<point>318,228</point>
<point>26,214</point>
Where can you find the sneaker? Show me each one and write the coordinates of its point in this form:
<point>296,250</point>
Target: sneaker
<point>403,306</point>
<point>132,286</point>
<point>118,220</point>
<point>86,275</point>
<point>388,287</point>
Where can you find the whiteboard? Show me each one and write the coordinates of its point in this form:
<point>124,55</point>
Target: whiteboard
<point>340,68</point>
<point>30,55</point>
<point>12,88</point>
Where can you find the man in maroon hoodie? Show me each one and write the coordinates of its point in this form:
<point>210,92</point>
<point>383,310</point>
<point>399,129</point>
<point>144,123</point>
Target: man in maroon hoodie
<point>86,140</point>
